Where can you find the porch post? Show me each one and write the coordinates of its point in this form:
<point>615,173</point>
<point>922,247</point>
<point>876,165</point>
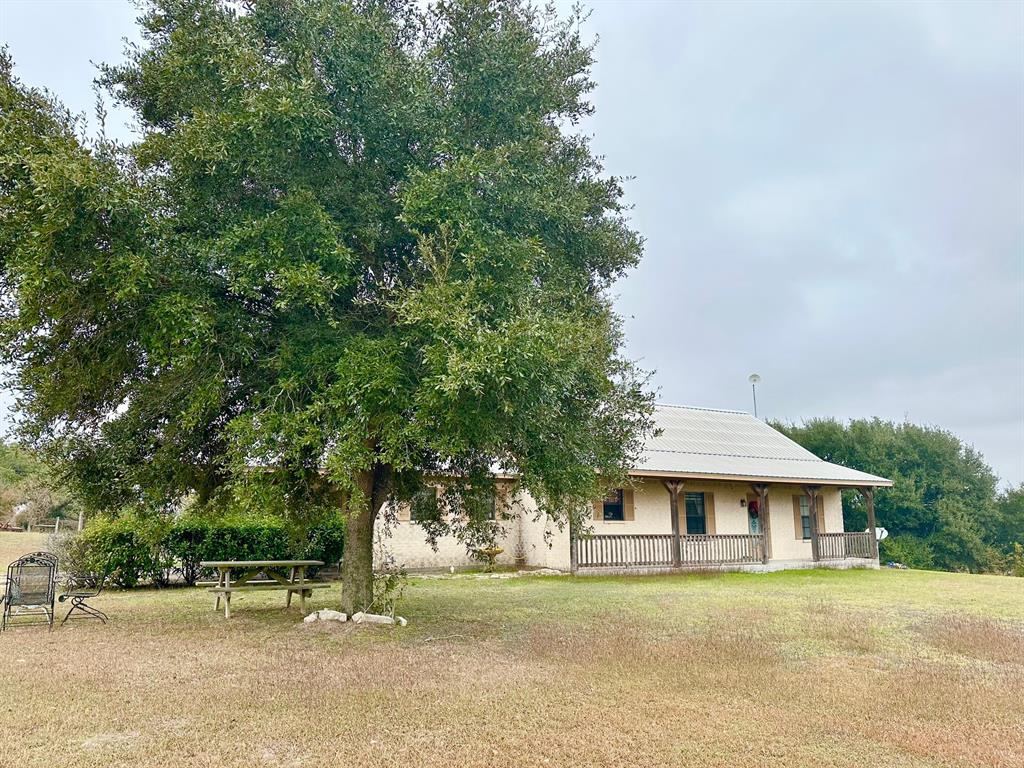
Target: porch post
<point>673,487</point>
<point>761,489</point>
<point>812,493</point>
<point>869,499</point>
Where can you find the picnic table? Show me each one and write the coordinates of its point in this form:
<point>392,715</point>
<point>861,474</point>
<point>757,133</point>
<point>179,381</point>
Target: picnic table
<point>260,575</point>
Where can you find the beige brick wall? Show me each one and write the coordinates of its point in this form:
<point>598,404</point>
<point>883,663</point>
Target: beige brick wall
<point>543,545</point>
<point>524,536</point>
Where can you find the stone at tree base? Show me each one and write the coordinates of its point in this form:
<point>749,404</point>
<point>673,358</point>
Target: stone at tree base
<point>401,621</point>
<point>371,618</point>
<point>326,614</point>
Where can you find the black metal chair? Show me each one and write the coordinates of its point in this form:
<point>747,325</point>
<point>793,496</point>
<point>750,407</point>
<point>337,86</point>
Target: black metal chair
<point>31,586</point>
<point>80,587</point>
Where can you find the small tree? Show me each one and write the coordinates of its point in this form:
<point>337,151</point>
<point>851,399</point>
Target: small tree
<point>356,242</point>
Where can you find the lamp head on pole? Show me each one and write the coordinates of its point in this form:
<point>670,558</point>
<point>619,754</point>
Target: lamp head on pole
<point>754,379</point>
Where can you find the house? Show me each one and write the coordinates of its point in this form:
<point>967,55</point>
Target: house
<point>713,490</point>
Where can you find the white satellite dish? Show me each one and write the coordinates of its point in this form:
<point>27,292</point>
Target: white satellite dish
<point>880,533</point>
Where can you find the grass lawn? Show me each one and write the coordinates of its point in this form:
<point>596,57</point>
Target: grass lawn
<point>822,668</point>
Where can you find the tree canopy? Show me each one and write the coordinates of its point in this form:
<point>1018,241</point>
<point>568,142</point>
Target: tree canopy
<point>359,244</point>
<point>942,511</point>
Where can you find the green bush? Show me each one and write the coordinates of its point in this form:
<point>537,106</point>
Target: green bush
<point>324,541</point>
<point>137,548</point>
<point>909,550</point>
<point>185,543</point>
<point>130,548</point>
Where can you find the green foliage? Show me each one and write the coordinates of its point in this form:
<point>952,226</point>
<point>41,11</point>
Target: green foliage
<point>941,511</point>
<point>907,549</point>
<point>389,583</point>
<point>1017,566</point>
<point>358,237</point>
<point>29,492</point>
<point>324,541</point>
<point>16,464</point>
<point>137,547</point>
<point>130,548</point>
<point>1007,525</point>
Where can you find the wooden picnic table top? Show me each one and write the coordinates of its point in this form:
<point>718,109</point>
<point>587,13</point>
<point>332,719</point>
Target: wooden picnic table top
<point>259,563</point>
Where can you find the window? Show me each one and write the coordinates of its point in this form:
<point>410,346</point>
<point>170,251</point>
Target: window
<point>614,509</point>
<point>492,509</point>
<point>423,506</point>
<point>696,519</point>
<point>805,517</point>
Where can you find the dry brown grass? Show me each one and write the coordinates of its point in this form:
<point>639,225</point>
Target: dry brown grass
<point>979,639</point>
<point>797,669</point>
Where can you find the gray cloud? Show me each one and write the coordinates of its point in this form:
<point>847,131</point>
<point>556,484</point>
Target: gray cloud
<point>831,195</point>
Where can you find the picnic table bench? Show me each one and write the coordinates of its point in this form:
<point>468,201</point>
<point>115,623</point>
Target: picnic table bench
<point>273,577</point>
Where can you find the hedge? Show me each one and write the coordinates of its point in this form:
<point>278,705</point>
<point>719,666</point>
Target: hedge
<point>136,548</point>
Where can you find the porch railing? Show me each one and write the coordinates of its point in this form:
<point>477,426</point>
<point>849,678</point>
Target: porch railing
<point>839,546</point>
<point>624,550</point>
<point>655,549</point>
<point>717,549</point>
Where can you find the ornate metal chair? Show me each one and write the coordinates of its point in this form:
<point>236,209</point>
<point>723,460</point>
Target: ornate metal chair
<point>31,585</point>
<point>80,587</point>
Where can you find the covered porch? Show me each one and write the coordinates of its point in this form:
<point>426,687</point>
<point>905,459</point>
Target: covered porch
<point>694,523</point>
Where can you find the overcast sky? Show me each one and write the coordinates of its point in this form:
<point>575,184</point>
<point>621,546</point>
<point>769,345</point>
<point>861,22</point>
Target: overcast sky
<point>831,193</point>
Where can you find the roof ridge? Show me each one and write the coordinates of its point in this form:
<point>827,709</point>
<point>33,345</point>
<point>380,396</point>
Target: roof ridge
<point>700,408</point>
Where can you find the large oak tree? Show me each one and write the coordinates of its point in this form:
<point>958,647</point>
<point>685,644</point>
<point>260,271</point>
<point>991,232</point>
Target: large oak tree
<point>357,246</point>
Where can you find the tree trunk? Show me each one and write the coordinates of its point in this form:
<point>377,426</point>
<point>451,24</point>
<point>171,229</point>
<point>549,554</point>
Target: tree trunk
<point>357,567</point>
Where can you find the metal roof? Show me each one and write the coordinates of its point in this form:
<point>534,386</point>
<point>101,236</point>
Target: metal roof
<point>703,442</point>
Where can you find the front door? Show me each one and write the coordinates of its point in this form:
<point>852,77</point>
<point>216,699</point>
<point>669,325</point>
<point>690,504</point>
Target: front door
<point>754,514</point>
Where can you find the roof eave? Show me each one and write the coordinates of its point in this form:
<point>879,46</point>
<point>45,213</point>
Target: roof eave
<point>869,481</point>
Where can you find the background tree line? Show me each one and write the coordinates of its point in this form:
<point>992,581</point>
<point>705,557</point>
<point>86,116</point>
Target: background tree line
<point>944,509</point>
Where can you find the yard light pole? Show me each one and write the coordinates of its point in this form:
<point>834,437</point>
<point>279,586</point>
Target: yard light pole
<point>754,379</point>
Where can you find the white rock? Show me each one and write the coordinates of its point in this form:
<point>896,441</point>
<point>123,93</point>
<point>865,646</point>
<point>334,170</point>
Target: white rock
<point>401,621</point>
<point>371,618</point>
<point>326,615</point>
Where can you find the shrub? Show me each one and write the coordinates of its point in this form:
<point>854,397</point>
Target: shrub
<point>185,543</point>
<point>194,538</point>
<point>130,548</point>
<point>137,547</point>
<point>909,550</point>
<point>324,541</point>
<point>73,554</point>
<point>246,539</point>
